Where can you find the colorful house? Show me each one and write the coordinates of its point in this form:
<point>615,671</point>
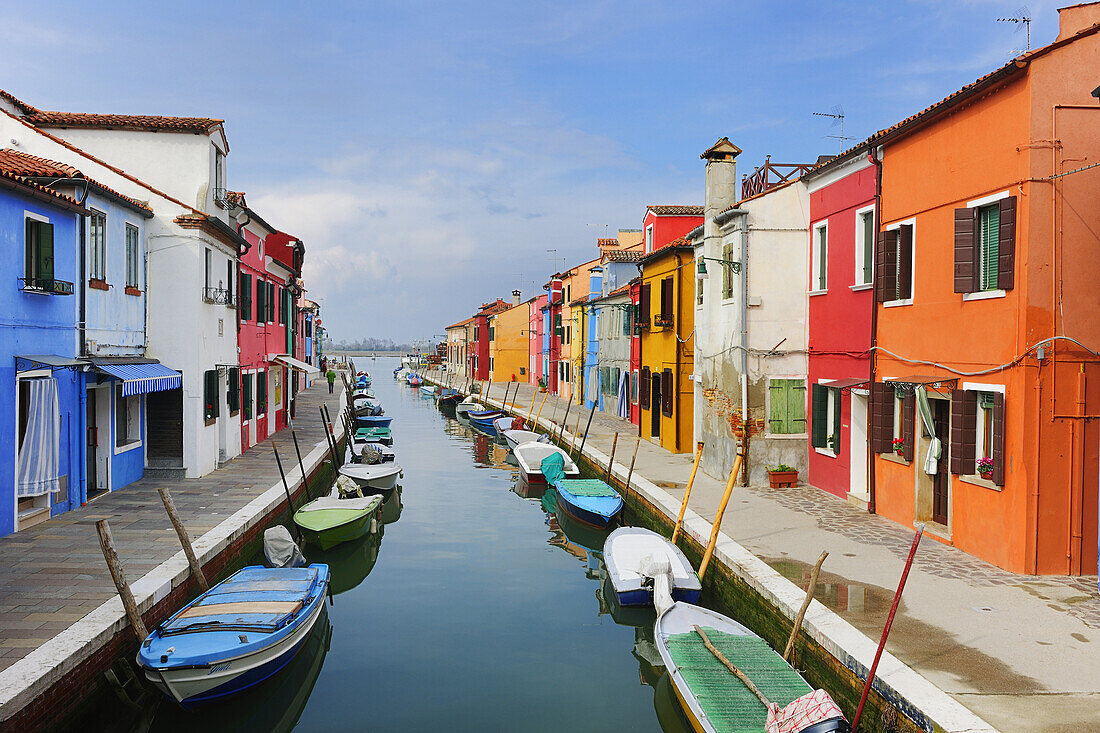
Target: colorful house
<point>988,315</point>
<point>480,367</point>
<point>459,336</point>
<point>841,267</point>
<point>667,322</point>
<point>509,351</point>
<point>536,339</point>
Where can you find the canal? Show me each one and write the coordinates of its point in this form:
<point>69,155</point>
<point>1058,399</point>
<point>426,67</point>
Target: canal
<point>478,608</point>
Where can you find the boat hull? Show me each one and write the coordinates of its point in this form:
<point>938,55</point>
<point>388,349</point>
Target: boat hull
<point>586,516</point>
<point>326,539</point>
<point>376,477</point>
<point>624,552</point>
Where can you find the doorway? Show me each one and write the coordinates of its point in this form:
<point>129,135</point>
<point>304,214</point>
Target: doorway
<point>91,443</point>
<point>941,481</point>
<point>857,478</point>
<point>933,492</point>
<point>655,407</point>
<point>164,428</point>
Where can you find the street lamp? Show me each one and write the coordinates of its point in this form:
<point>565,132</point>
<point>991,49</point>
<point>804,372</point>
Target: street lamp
<point>732,264</point>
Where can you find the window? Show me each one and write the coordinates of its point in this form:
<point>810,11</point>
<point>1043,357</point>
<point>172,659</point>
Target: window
<point>667,302</point>
<point>787,406</point>
<point>261,393</point>
<point>230,278</point>
<point>245,294</point>
<point>261,301</point>
<point>270,302</point>
<point>666,393</point>
<point>698,288</point>
<point>219,174</point>
<point>127,418</point>
<point>97,245</point>
<point>727,271</point>
<point>820,259</point>
<point>644,294</point>
<point>894,265</point>
<point>628,321</point>
<point>605,379</point>
<point>634,387</point>
<point>643,397</point>
<point>38,253</point>
<point>985,245</point>
<point>865,246</point>
<point>208,272</point>
<point>977,431</point>
<point>649,239</point>
<point>246,394</point>
<point>233,394</point>
<point>307,330</point>
<point>132,257</point>
<point>282,305</point>
<point>825,416</point>
<point>558,330</point>
<point>210,395</point>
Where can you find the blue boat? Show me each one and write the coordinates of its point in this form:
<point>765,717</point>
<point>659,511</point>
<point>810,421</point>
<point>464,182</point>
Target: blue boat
<point>589,501</point>
<point>372,421</point>
<point>484,420</point>
<point>236,635</point>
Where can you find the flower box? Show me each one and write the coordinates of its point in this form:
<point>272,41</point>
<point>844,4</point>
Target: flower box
<point>782,479</point>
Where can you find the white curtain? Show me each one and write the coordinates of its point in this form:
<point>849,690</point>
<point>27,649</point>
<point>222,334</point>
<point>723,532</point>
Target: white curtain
<point>39,456</point>
<point>624,393</point>
<point>932,458</point>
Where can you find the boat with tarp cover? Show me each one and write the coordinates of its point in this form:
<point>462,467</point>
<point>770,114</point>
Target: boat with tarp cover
<point>328,520</point>
<point>588,500</point>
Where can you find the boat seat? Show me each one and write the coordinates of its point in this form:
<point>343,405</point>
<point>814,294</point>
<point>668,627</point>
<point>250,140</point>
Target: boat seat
<point>282,608</point>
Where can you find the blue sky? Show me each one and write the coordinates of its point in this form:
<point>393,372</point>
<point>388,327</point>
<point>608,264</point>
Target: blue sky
<point>429,154</point>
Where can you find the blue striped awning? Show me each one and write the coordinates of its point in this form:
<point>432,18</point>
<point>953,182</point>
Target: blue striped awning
<point>143,378</point>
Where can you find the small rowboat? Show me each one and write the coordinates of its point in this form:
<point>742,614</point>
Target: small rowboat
<point>372,421</point>
<point>372,478</point>
<point>328,521</point>
<point>413,380</point>
<point>428,390</point>
<point>373,435</point>
<point>519,437</point>
<point>629,552</point>
<point>530,457</point>
<point>467,405</point>
<point>354,452</point>
<point>714,699</point>
<point>483,420</point>
<point>589,501</point>
<point>236,635</point>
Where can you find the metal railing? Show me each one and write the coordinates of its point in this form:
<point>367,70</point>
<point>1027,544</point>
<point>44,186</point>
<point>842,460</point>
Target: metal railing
<point>217,296</point>
<point>49,286</point>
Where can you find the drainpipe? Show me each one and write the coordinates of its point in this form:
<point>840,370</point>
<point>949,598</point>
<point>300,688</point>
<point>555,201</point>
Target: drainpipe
<point>675,335</point>
<point>874,341</point>
<point>641,282</point>
<point>745,347</point>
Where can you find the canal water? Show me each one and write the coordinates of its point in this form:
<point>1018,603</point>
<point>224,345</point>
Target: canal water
<point>477,609</point>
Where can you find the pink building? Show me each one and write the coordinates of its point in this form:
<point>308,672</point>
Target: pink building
<point>535,331</point>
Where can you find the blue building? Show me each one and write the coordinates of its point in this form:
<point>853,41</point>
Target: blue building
<point>41,382</point>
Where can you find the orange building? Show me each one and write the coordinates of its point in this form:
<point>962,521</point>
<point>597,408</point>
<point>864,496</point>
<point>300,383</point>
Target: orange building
<point>508,348</point>
<point>987,314</point>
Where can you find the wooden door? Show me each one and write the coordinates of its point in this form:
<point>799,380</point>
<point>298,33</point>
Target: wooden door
<point>941,482</point>
<point>655,407</point>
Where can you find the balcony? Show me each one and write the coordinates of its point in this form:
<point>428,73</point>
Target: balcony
<point>45,286</point>
<point>663,320</point>
<point>217,296</point>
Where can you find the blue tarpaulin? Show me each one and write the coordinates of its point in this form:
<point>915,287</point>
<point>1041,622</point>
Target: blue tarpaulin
<point>143,378</point>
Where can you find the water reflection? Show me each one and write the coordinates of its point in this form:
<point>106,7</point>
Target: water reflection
<point>273,705</point>
<point>391,507</point>
<point>351,562</point>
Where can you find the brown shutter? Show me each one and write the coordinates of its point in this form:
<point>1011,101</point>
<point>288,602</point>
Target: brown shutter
<point>666,391</point>
<point>908,423</point>
<point>667,308</point>
<point>1006,244</point>
<point>905,261</point>
<point>964,418</point>
<point>643,301</point>
<point>966,247</point>
<point>998,452</point>
<point>882,417</point>
<point>643,388</point>
<point>886,267</point>
<point>880,268</point>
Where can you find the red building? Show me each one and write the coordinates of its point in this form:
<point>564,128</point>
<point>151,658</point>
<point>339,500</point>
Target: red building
<point>552,337</point>
<point>666,222</point>
<point>479,352</point>
<point>842,234</point>
<point>535,333</point>
<point>266,315</point>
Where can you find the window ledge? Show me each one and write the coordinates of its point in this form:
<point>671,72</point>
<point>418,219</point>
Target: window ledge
<point>787,436</point>
<point>825,452</point>
<point>896,303</point>
<point>894,458</point>
<point>234,413</point>
<point>210,421</point>
<point>985,295</point>
<point>979,481</point>
<point>857,288</point>
<point>127,447</point>
<point>97,284</point>
<point>817,292</point>
<point>936,530</point>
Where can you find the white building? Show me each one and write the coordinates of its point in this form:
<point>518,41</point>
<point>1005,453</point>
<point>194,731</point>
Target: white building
<point>177,166</point>
<point>750,321</point>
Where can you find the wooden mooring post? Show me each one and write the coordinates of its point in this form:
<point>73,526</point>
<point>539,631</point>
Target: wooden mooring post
<point>561,433</point>
<point>630,473</point>
<point>805,605</point>
<point>185,539</point>
<point>687,492</point>
<point>539,413</point>
<point>107,545</point>
<point>717,526</point>
<point>611,460</point>
<point>289,499</point>
<point>301,465</point>
<point>588,425</point>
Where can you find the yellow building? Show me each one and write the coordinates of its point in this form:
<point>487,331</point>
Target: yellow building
<point>575,286</point>
<point>667,317</point>
<point>509,351</point>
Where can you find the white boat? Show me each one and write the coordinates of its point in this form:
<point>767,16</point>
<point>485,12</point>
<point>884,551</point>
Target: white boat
<point>428,390</point>
<point>519,437</point>
<point>374,477</point>
<point>530,457</point>
<point>467,405</point>
<point>630,552</point>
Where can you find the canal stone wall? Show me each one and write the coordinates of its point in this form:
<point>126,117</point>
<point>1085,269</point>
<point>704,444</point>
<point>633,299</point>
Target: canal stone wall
<point>54,682</point>
<point>831,652</point>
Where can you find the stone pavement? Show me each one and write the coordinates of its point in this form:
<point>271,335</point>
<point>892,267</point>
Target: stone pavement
<point>53,574</point>
<point>1020,651</point>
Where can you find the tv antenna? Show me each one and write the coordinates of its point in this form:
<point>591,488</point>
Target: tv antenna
<point>837,116</point>
<point>1022,17</point>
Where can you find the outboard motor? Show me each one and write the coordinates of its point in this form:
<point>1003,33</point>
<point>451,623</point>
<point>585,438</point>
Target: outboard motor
<point>280,550</point>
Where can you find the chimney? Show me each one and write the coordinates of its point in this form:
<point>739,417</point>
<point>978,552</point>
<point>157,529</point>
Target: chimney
<point>516,295</point>
<point>1076,18</point>
<point>721,183</point>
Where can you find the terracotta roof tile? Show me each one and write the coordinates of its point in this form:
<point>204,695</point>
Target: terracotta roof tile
<point>675,209</point>
<point>18,103</point>
<point>625,255</point>
<point>236,198</point>
<point>32,166</point>
<point>607,242</point>
<point>28,183</point>
<point>42,118</point>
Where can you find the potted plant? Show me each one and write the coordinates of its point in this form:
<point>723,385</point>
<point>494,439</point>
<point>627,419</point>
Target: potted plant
<point>899,446</point>
<point>985,467</point>
<point>782,475</point>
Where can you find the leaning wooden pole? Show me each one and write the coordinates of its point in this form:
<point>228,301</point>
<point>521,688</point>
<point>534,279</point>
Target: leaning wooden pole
<point>886,629</point>
<point>805,605</point>
<point>286,487</point>
<point>717,526</point>
<point>687,492</point>
<point>539,413</point>
<point>330,439</point>
<point>185,539</point>
<point>561,433</point>
<point>107,545</point>
<point>587,425</point>
<point>637,442</point>
<point>611,460</point>
<point>301,465</point>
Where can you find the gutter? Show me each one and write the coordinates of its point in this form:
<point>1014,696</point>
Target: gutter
<point>675,335</point>
<point>877,162</point>
<point>745,431</point>
<point>728,215</point>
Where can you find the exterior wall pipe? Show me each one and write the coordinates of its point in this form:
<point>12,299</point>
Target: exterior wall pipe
<point>745,425</point>
<point>679,345</point>
<point>876,160</point>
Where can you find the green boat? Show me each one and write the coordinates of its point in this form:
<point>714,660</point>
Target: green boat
<point>328,521</point>
<point>375,435</point>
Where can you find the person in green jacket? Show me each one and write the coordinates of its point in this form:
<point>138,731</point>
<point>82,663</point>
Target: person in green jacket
<point>331,379</point>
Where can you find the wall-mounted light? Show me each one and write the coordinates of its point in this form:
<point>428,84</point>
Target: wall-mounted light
<point>732,264</point>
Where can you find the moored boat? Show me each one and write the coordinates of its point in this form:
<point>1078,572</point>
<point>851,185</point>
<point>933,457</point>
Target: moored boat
<point>530,457</point>
<point>372,421</point>
<point>629,553</point>
<point>590,501</point>
<point>713,698</point>
<point>372,478</point>
<point>428,390</point>
<point>327,521</point>
<point>483,420</point>
<point>373,435</point>
<point>518,437</point>
<point>467,405</point>
<point>235,635</point>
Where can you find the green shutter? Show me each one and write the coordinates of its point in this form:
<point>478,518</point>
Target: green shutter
<point>777,417</point>
<point>30,256</point>
<point>45,250</point>
<point>836,421</point>
<point>796,406</point>
<point>991,224</point>
<point>819,416</point>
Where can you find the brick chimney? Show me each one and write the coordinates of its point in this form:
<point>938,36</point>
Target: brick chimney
<point>1076,18</point>
<point>721,183</point>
